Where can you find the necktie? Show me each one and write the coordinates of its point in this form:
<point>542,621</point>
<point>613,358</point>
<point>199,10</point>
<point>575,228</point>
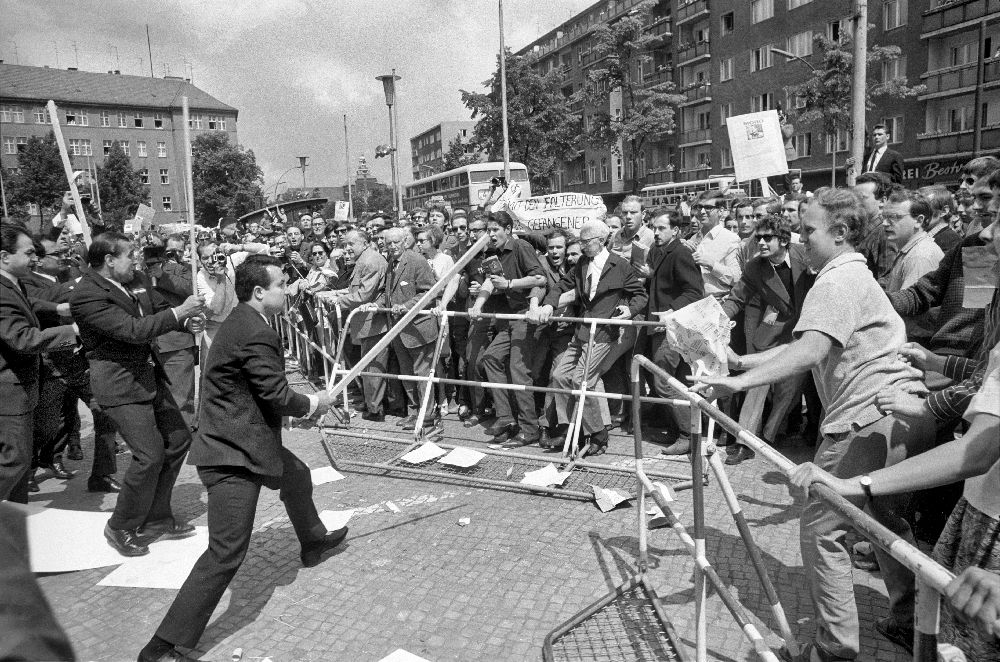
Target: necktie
<point>135,300</point>
<point>871,161</point>
<point>590,283</point>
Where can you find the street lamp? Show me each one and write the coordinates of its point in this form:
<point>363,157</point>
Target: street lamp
<point>792,56</point>
<point>303,162</point>
<point>389,87</point>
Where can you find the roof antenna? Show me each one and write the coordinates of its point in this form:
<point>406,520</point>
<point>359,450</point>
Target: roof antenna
<point>150,48</point>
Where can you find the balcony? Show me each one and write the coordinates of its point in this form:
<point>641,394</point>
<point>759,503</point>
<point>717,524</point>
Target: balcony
<point>949,81</point>
<point>991,72</point>
<point>950,142</point>
<point>702,93</point>
<point>692,10</point>
<point>991,137</point>
<point>689,53</point>
<point>695,136</point>
<point>955,13</point>
<point>661,29</point>
<point>664,75</point>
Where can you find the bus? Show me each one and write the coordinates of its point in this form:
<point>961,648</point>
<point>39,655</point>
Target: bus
<point>467,186</point>
<point>670,195</point>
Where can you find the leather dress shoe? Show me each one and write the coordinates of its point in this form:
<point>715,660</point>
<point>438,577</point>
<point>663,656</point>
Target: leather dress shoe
<point>519,440</point>
<point>742,453</point>
<point>503,433</point>
<point>103,484</point>
<point>168,529</point>
<point>679,447</point>
<point>464,412</point>
<point>312,552</point>
<point>58,470</point>
<point>74,452</point>
<point>552,442</point>
<point>126,542</point>
<point>375,418</point>
<point>409,420</point>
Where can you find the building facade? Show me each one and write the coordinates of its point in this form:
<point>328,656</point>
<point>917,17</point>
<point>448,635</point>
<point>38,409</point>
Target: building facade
<point>96,110</point>
<point>427,149</point>
<point>719,55</point>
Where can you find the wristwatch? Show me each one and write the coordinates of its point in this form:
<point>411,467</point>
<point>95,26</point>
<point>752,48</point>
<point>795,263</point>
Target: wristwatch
<point>866,486</point>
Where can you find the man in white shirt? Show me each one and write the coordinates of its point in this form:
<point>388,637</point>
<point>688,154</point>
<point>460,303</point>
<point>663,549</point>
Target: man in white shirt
<point>217,282</point>
<point>717,254</point>
<point>66,219</point>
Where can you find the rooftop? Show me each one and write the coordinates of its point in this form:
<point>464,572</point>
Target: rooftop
<point>86,87</point>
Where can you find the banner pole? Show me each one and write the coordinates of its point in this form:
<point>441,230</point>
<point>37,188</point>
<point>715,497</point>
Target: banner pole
<point>68,167</point>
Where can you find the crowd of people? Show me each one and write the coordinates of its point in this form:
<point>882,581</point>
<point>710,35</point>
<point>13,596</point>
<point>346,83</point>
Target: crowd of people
<point>860,327</point>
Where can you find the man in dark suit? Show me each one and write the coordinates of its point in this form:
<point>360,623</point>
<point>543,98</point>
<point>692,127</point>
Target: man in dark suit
<point>408,276</point>
<point>880,158</point>
<point>22,340</point>
<point>675,281</point>
<point>606,287</point>
<point>770,293</point>
<point>118,325</point>
<point>238,450</point>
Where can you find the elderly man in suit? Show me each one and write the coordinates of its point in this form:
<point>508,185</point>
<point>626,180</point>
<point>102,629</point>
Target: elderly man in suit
<point>606,286</point>
<point>120,315</point>
<point>770,293</point>
<point>409,275</point>
<point>238,450</point>
<point>22,340</point>
<point>675,281</point>
<point>367,326</point>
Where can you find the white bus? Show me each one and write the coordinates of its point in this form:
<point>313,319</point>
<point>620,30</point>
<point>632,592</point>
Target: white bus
<point>670,195</point>
<point>467,186</point>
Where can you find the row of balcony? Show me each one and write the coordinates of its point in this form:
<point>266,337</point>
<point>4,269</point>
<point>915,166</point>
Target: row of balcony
<point>698,94</point>
<point>691,10</point>
<point>691,51</point>
<point>959,78</point>
<point>947,14</point>
<point>932,144</point>
<point>694,136</point>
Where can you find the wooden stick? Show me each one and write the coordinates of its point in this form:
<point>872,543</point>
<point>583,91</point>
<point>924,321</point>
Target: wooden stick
<point>189,189</point>
<point>68,167</point>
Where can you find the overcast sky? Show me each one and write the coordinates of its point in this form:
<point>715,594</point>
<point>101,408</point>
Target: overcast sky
<point>293,68</point>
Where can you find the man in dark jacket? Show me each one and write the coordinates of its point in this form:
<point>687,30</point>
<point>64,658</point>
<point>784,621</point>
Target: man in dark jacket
<point>238,450</point>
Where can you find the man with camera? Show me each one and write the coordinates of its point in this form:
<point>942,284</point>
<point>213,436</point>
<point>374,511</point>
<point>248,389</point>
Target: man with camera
<point>217,281</point>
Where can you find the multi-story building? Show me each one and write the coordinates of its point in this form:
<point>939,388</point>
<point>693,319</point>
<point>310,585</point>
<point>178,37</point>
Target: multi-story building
<point>428,148</point>
<point>97,110</point>
<point>719,55</point>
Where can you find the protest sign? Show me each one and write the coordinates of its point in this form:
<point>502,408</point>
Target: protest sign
<point>143,217</point>
<point>510,194</point>
<point>342,210</point>
<point>757,144</point>
<point>564,210</point>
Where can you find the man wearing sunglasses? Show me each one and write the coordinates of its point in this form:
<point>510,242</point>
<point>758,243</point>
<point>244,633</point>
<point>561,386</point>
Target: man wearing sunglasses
<point>217,282</point>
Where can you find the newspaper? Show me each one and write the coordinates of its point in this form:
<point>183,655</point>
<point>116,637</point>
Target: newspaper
<point>700,333</point>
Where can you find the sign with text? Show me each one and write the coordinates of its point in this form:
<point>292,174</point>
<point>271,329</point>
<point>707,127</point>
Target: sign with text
<point>564,210</point>
<point>342,210</point>
<point>757,144</point>
<point>144,216</point>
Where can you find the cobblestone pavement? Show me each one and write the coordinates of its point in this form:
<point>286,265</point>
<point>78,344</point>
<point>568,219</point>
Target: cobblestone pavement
<point>417,580</point>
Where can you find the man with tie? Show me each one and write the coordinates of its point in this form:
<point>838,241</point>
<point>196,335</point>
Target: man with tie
<point>120,315</point>
<point>880,158</point>
<point>22,340</point>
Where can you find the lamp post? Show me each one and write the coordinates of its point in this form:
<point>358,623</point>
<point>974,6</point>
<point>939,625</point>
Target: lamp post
<point>303,162</point>
<point>281,180</point>
<point>389,87</point>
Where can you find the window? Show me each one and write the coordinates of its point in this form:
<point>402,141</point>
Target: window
<point>140,148</point>
<point>194,121</point>
<point>22,144</point>
<point>605,171</point>
<point>107,147</point>
<point>80,147</point>
<point>618,162</point>
<point>164,176</point>
<point>964,54</point>
<point>125,147</point>
<point>841,141</point>
<point>704,120</point>
<point>105,118</point>
<point>726,70</point>
<point>802,142</point>
<point>144,175</point>
<point>725,110</point>
<point>157,120</point>
<point>165,201</point>
<point>122,122</point>
<point>42,116</point>
<point>960,119</point>
<point>77,117</point>
<point>893,14</point>
<point>761,58</point>
<point>642,164</point>
<point>761,10</point>
<point>137,120</point>
<point>801,44</point>
<point>213,122</point>
<point>9,147</point>
<point>726,155</point>
<point>761,102</point>
<point>161,150</point>
<point>795,4</point>
<point>893,69</point>
<point>12,114</point>
<point>728,23</point>
<point>894,127</point>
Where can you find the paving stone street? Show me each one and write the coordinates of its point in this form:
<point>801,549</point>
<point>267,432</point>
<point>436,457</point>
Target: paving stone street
<point>418,580</point>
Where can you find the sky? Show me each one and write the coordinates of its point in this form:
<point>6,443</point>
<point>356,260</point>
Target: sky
<point>293,68</point>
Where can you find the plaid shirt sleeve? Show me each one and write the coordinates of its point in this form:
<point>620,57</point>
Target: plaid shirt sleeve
<point>951,402</point>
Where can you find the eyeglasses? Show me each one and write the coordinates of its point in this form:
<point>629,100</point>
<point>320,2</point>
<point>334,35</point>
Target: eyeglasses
<point>584,240</point>
<point>969,181</point>
<point>765,237</point>
<point>477,230</point>
<point>341,230</point>
<point>892,218</point>
<point>320,253</point>
<point>456,228</point>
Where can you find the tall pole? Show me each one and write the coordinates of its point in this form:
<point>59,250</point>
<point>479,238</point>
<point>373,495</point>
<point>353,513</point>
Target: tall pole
<point>3,194</point>
<point>149,46</point>
<point>859,88</point>
<point>347,170</point>
<point>68,168</point>
<point>189,190</point>
<point>395,154</point>
<point>503,99</point>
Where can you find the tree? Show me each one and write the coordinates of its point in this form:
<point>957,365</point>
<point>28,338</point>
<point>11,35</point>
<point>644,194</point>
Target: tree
<point>40,179</point>
<point>227,179</point>
<point>647,111</point>
<point>456,157</point>
<point>373,197</point>
<point>827,93</point>
<point>543,130</point>
<point>120,186</point>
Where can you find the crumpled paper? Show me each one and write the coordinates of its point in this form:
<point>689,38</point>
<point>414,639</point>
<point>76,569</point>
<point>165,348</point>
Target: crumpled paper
<point>700,333</point>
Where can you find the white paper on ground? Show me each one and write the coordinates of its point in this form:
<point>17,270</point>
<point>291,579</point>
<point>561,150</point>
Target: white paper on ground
<point>462,457</point>
<point>393,507</point>
<point>607,499</point>
<point>167,565</point>
<point>325,475</point>
<point>545,476</point>
<point>50,530</point>
<point>399,655</point>
<point>658,517</point>
<point>427,451</point>
<point>335,519</point>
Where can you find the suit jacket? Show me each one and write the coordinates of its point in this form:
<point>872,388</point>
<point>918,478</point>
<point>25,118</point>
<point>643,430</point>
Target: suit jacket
<point>890,164</point>
<point>367,283</point>
<point>405,281</point>
<point>675,280</point>
<point>22,340</point>
<point>616,286</point>
<point>244,396</point>
<point>175,286</point>
<point>118,337</point>
<point>771,311</point>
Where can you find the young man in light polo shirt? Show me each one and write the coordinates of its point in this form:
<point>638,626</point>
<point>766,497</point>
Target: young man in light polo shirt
<point>847,335</point>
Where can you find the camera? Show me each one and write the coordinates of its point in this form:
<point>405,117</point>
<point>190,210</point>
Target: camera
<point>174,254</point>
<point>218,259</point>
